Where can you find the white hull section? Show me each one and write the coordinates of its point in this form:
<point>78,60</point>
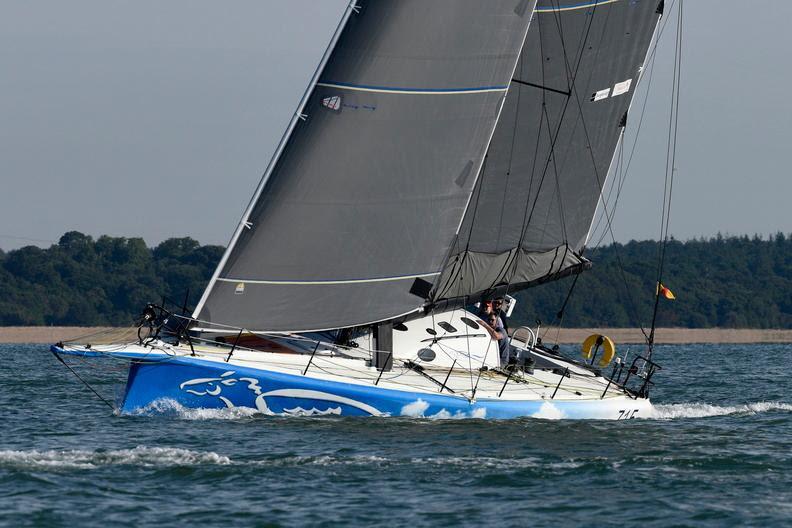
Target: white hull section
<point>462,380</point>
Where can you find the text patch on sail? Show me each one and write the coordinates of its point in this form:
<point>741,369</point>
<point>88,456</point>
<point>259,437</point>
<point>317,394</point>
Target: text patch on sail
<point>333,103</point>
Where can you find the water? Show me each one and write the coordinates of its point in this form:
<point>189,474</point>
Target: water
<point>719,453</point>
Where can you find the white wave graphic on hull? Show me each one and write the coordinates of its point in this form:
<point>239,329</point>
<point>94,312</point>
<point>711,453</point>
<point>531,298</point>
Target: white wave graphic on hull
<point>141,456</point>
<point>704,410</point>
<point>213,387</point>
<point>261,403</point>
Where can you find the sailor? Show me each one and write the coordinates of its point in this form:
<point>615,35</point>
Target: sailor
<point>498,308</point>
<point>485,308</point>
<point>500,334</point>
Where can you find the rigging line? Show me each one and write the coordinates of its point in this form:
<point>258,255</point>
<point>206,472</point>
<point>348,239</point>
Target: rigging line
<point>486,151</point>
<point>616,181</point>
<point>562,215</point>
<point>527,220</point>
<point>542,115</point>
<point>503,272</point>
<point>534,85</point>
<point>673,127</point>
<point>591,75</point>
<point>512,261</point>
<point>604,205</point>
<point>651,59</point>
<point>572,78</point>
<point>462,256</point>
<point>560,314</point>
<point>626,171</point>
<point>559,27</point>
<point>511,153</point>
<point>481,369</point>
<point>106,402</point>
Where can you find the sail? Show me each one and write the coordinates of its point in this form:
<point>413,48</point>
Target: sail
<point>537,194</point>
<point>363,201</point>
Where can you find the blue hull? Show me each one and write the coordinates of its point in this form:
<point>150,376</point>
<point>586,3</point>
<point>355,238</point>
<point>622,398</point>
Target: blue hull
<point>197,383</point>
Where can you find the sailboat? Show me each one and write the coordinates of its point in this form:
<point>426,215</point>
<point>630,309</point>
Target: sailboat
<point>444,154</point>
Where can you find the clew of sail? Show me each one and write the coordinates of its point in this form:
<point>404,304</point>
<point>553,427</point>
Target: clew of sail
<point>538,191</point>
<point>363,201</point>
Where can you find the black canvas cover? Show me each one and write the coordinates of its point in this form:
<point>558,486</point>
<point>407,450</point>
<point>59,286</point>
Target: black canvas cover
<point>368,193</point>
<point>538,192</point>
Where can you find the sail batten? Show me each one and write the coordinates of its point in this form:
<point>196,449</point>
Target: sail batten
<point>413,91</point>
<point>367,192</point>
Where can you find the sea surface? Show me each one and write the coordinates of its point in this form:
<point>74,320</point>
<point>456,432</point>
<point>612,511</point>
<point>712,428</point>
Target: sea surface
<point>717,453</point>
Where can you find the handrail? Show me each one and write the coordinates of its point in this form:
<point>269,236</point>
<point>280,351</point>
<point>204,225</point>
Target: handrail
<point>530,332</point>
<point>645,372</point>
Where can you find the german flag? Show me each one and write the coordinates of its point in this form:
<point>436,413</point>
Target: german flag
<point>665,292</point>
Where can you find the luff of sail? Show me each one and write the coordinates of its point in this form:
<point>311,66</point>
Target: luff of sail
<point>546,167</point>
<point>367,193</point>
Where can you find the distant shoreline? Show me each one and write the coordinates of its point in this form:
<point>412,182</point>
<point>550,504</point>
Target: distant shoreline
<point>53,334</point>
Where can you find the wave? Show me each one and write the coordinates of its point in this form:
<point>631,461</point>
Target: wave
<point>671,411</point>
<point>85,459</point>
<point>324,460</point>
<point>169,407</point>
<point>371,461</point>
<point>704,410</point>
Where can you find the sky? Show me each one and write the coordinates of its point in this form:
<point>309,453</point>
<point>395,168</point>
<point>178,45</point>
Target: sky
<point>156,118</point>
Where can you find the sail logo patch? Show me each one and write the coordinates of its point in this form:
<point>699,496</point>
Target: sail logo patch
<point>622,87</point>
<point>618,89</point>
<point>333,103</point>
<point>602,94</point>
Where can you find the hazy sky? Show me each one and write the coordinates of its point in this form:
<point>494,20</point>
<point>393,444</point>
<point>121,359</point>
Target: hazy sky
<point>156,118</point>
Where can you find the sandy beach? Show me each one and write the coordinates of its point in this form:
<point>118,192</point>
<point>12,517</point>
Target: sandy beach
<point>53,334</point>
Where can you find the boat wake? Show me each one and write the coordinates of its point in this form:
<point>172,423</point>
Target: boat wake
<point>71,459</point>
<point>172,408</point>
<point>704,410</point>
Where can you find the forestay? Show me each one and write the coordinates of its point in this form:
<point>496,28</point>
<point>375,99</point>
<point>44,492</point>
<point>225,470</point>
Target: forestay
<point>369,190</point>
<point>538,192</point>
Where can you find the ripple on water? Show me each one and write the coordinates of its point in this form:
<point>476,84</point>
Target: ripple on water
<point>715,453</point>
<point>92,459</point>
<point>705,410</point>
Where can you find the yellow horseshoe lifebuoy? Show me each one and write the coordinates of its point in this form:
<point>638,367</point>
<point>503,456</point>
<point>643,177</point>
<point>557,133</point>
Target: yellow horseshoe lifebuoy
<point>605,343</point>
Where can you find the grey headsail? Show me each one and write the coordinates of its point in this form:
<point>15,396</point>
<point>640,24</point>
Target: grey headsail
<point>537,194</point>
<point>362,204</point>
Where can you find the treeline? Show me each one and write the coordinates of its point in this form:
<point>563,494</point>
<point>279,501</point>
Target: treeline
<point>108,281</point>
<point>728,282</point>
<point>737,282</point>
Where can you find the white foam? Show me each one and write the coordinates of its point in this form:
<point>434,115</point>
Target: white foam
<point>479,462</point>
<point>548,411</point>
<point>324,460</point>
<point>168,406</point>
<point>91,459</point>
<point>415,409</point>
<point>703,410</point>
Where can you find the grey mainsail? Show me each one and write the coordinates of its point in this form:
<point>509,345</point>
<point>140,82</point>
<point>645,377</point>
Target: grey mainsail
<point>537,194</point>
<point>367,192</point>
